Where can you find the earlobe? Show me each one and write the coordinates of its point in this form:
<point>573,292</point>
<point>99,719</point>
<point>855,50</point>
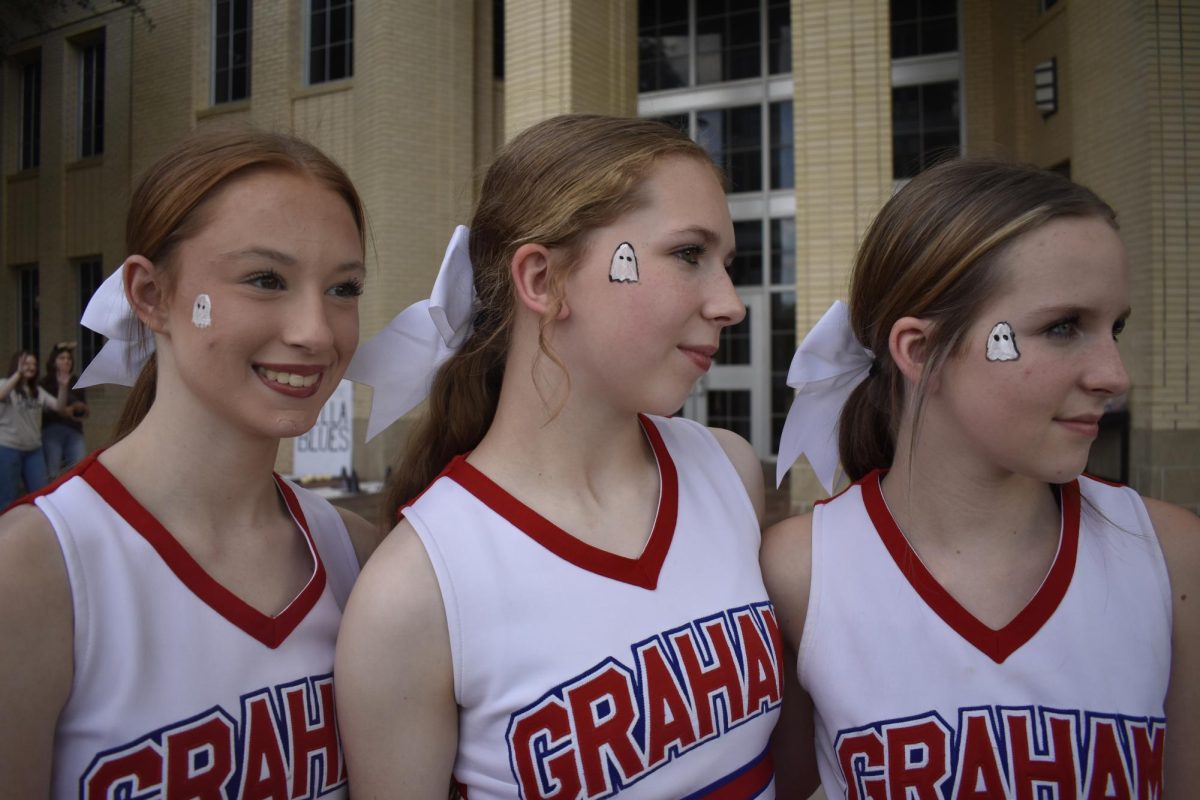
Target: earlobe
<point>532,275</point>
<point>143,287</point>
<point>907,346</point>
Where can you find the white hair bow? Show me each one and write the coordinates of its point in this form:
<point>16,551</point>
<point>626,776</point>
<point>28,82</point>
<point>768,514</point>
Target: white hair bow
<point>400,361</point>
<point>827,366</point>
<point>125,353</point>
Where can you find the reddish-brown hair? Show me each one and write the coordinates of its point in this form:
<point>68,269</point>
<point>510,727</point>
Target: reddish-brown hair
<point>168,206</point>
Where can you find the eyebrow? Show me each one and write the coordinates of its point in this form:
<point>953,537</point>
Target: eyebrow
<point>284,259</point>
<point>708,236</point>
<point>1071,310</point>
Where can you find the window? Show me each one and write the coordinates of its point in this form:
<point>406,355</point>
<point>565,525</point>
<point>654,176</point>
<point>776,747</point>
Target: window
<point>330,40</point>
<point>231,50</point>
<point>662,44</point>
<point>922,27</point>
<point>701,42</point>
<point>783,346</point>
<point>733,137</point>
<point>1046,5</point>
<point>498,39</point>
<point>779,36</point>
<point>727,40</point>
<point>27,308</point>
<point>783,169</point>
<point>91,275</point>
<point>730,409</point>
<point>31,112</point>
<point>746,269</point>
<point>924,126</point>
<point>91,98</point>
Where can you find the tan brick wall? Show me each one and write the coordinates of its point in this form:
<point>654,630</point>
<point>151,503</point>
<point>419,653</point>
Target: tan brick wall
<point>564,56</point>
<point>842,74</point>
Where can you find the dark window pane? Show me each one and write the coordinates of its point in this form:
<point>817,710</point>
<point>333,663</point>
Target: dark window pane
<point>733,347</point>
<point>903,10</point>
<point>783,252</point>
<point>241,14</point>
<point>730,410</point>
<point>905,41</point>
<point>782,166</point>
<point>939,36</point>
<point>746,269</point>
<point>779,36</point>
<point>939,8</point>
<point>783,345</point>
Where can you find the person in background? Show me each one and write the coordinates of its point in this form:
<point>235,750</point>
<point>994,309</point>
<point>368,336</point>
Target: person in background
<point>22,401</point>
<point>62,434</point>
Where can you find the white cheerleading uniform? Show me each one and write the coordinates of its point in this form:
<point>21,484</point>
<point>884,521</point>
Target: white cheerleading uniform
<point>180,688</point>
<point>916,698</point>
<point>584,674</point>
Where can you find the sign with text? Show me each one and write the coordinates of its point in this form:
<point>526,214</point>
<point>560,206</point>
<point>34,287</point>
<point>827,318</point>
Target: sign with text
<point>328,448</point>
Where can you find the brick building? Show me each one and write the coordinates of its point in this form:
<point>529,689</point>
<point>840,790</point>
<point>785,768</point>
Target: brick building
<point>818,109</point>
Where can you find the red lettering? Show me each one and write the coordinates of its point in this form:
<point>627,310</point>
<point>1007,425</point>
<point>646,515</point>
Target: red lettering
<point>762,677</point>
<point>199,759</point>
<point>1146,742</point>
<point>1058,767</point>
<point>668,719</point>
<point>979,775</point>
<point>709,683</point>
<point>860,756</point>
<point>319,739</point>
<point>541,737</point>
<point>1107,778</point>
<point>603,716</point>
<point>264,775</point>
<point>124,775</point>
<point>912,778</point>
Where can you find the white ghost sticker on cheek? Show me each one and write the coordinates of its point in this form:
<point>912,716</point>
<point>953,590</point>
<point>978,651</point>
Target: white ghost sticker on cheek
<point>202,311</point>
<point>1002,343</point>
<point>624,268</point>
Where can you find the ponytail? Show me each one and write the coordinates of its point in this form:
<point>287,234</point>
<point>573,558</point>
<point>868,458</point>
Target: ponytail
<point>138,403</point>
<point>462,403</point>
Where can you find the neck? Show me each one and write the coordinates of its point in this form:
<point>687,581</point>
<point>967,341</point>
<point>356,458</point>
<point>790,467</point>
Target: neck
<point>940,495</point>
<point>182,462</point>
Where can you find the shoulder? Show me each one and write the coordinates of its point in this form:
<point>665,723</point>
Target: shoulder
<point>741,454</point>
<point>1178,533</point>
<point>786,560</point>
<point>398,585</point>
<point>364,536</point>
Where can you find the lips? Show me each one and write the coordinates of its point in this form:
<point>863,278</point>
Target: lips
<point>1084,424</point>
<point>700,355</point>
<point>294,380</point>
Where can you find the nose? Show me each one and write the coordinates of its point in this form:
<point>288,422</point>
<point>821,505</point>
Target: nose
<point>1107,373</point>
<point>723,305</point>
<point>307,324</point>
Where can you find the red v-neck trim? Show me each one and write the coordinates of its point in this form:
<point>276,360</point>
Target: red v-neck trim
<point>997,645</point>
<point>271,631</point>
<point>642,571</point>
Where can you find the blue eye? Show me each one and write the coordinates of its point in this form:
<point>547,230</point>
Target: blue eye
<point>1064,328</point>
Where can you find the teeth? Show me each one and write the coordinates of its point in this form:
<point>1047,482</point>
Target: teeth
<point>288,378</point>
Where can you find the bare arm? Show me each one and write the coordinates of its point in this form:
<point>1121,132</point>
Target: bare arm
<point>364,536</point>
<point>787,572</point>
<point>9,383</point>
<point>36,657</point>
<point>395,686</point>
<point>748,467</point>
<point>1179,533</point>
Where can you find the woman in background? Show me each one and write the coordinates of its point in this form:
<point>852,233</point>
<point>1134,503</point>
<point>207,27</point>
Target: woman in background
<point>62,434</point>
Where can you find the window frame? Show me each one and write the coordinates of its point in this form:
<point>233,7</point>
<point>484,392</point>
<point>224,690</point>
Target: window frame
<point>227,81</point>
<point>92,55</point>
<point>328,43</point>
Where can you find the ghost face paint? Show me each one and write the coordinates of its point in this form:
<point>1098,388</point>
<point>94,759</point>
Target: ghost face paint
<point>643,350</point>
<point>279,263</point>
<point>624,268</point>
<point>202,311</point>
<point>1002,343</point>
<point>1064,295</point>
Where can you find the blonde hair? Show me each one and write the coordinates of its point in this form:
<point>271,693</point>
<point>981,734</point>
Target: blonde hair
<point>552,185</point>
<point>168,206</point>
<point>932,253</point>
